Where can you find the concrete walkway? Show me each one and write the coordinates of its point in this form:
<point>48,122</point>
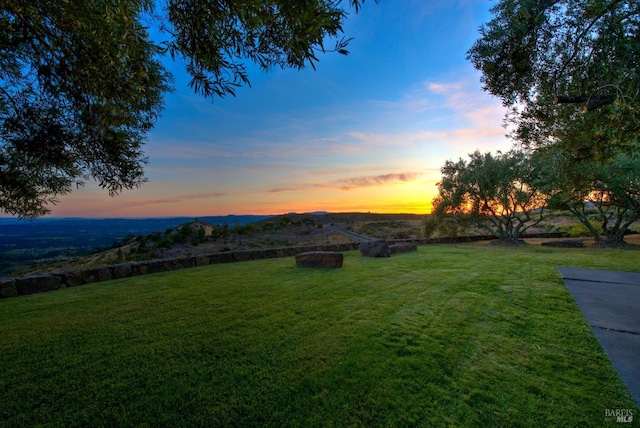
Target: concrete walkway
<point>610,301</point>
<point>360,238</point>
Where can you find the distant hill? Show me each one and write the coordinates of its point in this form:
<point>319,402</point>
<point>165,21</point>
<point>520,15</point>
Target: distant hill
<point>323,217</point>
<point>91,233</point>
<point>23,241</point>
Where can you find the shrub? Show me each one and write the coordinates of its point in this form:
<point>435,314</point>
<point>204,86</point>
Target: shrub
<point>247,229</point>
<point>578,230</point>
<point>199,238</point>
<point>269,226</point>
<point>178,238</point>
<point>440,226</point>
<point>165,243</point>
<point>285,221</point>
<point>429,226</point>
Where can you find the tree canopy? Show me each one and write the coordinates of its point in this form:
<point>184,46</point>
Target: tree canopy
<point>603,195</point>
<point>570,72</point>
<point>560,50</point>
<point>542,58</point>
<point>494,192</point>
<point>81,82</point>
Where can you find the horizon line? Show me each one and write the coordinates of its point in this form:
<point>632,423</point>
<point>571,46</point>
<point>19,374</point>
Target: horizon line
<point>319,212</point>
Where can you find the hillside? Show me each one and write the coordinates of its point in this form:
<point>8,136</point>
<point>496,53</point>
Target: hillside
<point>287,230</point>
<point>167,242</point>
<point>25,243</point>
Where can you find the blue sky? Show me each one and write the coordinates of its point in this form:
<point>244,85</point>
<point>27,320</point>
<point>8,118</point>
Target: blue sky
<point>363,132</point>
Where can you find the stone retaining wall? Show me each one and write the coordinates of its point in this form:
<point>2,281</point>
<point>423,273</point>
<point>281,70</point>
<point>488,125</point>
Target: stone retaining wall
<point>11,287</point>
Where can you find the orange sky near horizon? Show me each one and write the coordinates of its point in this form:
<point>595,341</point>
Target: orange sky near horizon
<point>89,201</point>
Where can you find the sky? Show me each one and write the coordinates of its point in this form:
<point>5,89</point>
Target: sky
<point>365,132</point>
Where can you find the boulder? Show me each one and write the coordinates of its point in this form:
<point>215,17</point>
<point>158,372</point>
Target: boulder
<point>37,283</point>
<point>320,259</point>
<point>225,257</point>
<point>375,249</point>
<point>154,266</point>
<point>242,256</point>
<point>171,264</point>
<point>202,260</point>
<point>122,271</point>
<point>139,268</point>
<point>8,287</point>
<point>257,255</point>
<point>72,279</point>
<point>404,247</point>
<point>91,275</point>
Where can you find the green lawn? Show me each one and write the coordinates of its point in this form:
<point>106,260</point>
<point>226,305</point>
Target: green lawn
<point>453,335</point>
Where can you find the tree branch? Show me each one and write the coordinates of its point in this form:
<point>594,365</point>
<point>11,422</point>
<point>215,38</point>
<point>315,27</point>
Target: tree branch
<point>592,102</point>
<point>597,102</point>
<point>566,99</point>
<point>584,33</point>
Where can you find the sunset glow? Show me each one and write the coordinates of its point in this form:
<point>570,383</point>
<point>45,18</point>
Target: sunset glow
<point>364,132</point>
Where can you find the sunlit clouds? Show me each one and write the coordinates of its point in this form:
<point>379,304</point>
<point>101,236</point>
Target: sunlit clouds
<point>378,180</point>
<point>346,137</point>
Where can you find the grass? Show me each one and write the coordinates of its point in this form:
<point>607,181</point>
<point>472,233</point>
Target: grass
<point>453,335</point>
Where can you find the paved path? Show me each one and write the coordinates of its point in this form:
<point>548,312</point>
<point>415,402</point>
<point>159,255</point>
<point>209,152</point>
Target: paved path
<point>610,301</point>
<point>350,234</point>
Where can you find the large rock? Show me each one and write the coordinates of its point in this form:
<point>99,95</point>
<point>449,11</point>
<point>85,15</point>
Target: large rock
<point>375,249</point>
<point>72,279</point>
<point>241,256</point>
<point>202,260</point>
<point>91,275</point>
<point>320,259</point>
<point>404,247</point>
<point>8,287</point>
<point>37,283</point>
<point>122,271</point>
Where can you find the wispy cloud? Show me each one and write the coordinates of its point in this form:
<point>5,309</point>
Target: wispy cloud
<point>444,88</point>
<point>284,189</point>
<point>377,180</point>
<point>350,183</point>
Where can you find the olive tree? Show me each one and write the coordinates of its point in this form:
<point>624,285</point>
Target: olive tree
<point>82,82</point>
<point>562,51</point>
<point>604,196</point>
<point>494,192</point>
<point>570,72</point>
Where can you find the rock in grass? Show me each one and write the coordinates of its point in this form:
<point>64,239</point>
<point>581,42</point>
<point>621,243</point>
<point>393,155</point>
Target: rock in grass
<point>37,283</point>
<point>403,248</point>
<point>320,259</point>
<point>375,249</point>
<point>8,287</point>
